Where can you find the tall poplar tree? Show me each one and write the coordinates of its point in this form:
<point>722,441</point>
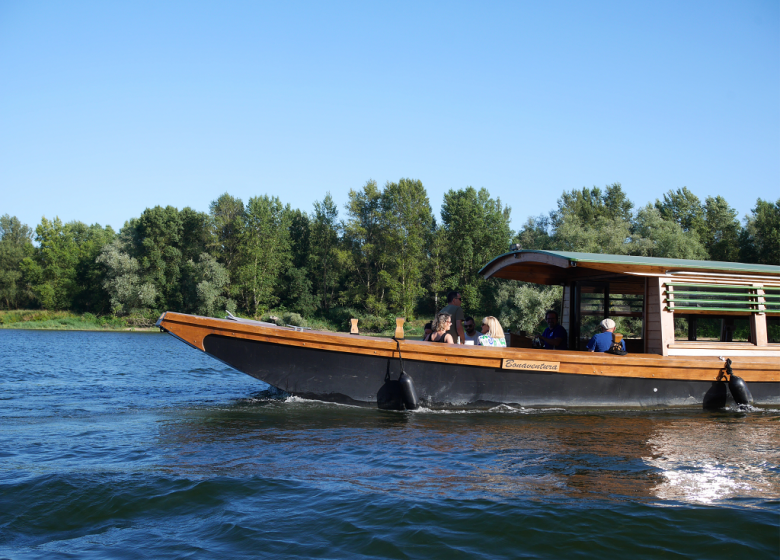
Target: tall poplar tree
<point>227,221</point>
<point>721,230</point>
<point>364,245</point>
<point>265,252</point>
<point>323,256</point>
<point>477,228</point>
<point>408,225</point>
<point>15,246</point>
<point>760,241</point>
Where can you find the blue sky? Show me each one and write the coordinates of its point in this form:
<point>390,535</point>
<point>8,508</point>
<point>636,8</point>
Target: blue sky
<point>107,108</point>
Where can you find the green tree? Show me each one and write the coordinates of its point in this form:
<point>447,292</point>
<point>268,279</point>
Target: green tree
<point>15,246</point>
<point>438,271</point>
<point>656,237</point>
<point>591,206</point>
<point>211,281</point>
<point>128,293</point>
<point>477,228</point>
<point>265,252</point>
<point>760,240</point>
<point>521,306</point>
<point>535,234</point>
<point>602,235</point>
<point>227,222</point>
<point>363,240</point>
<point>62,269</point>
<point>164,240</point>
<point>408,223</point>
<point>155,239</point>
<point>51,270</point>
<point>90,240</point>
<point>685,209</point>
<point>299,295</point>
<point>323,256</point>
<point>721,230</point>
<point>588,220</point>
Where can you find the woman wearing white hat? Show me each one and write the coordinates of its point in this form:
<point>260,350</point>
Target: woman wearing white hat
<point>603,341</point>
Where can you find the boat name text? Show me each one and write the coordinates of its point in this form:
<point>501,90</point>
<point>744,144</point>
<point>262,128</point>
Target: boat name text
<point>528,365</point>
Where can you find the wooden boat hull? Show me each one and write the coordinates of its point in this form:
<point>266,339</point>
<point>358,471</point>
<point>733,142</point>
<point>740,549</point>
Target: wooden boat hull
<point>355,370</point>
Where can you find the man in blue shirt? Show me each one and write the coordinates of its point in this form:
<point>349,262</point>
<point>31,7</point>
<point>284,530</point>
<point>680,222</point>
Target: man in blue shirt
<point>603,341</point>
<point>554,336</point>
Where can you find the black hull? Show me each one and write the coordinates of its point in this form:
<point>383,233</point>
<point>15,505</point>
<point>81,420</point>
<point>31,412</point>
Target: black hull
<point>362,380</point>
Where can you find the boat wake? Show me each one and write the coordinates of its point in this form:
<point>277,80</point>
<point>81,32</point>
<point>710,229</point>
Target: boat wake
<point>500,409</point>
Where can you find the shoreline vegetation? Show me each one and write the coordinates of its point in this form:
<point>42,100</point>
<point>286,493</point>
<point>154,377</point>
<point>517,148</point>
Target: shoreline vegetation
<point>41,319</point>
<point>384,255</point>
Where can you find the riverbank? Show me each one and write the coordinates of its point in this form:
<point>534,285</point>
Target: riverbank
<point>41,319</point>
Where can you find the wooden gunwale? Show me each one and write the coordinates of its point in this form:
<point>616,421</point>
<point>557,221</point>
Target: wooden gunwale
<point>193,330</point>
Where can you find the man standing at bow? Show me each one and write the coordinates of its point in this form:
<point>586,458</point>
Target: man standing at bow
<point>454,309</point>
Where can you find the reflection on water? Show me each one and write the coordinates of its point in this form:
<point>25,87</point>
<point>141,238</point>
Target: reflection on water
<point>545,455</point>
<point>707,462</point>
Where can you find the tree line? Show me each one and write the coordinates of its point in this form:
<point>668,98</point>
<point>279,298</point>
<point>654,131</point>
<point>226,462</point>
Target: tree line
<point>384,255</point>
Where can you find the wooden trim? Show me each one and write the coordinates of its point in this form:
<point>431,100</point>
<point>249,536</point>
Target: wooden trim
<point>761,298</point>
<point>715,345</point>
<point>193,330</point>
<point>758,329</point>
<point>667,317</point>
<point>704,311</point>
<point>738,281</point>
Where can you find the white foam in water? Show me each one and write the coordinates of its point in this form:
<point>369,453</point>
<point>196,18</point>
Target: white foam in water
<point>743,408</point>
<point>501,409</point>
<point>292,399</point>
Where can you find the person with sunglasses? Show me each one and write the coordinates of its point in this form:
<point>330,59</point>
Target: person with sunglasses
<point>472,334</point>
<point>454,310</point>
<point>492,333</point>
<point>441,325</point>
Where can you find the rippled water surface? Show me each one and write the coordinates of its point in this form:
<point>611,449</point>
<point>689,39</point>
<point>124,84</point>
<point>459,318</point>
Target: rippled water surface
<point>135,445</point>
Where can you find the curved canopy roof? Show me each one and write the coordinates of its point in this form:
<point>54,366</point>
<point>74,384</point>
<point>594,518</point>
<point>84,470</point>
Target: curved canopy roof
<point>558,267</point>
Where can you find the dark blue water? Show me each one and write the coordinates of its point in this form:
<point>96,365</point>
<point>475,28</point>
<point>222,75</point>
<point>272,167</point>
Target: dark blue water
<point>126,445</point>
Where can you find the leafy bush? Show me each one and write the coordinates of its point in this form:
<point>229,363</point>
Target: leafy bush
<point>522,306</point>
<point>294,319</point>
<point>373,323</point>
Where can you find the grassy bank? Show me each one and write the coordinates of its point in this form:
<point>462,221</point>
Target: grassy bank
<point>68,321</point>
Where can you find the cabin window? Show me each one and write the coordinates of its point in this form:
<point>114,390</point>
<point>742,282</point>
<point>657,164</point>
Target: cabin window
<point>621,302</point>
<point>773,329</point>
<point>711,328</point>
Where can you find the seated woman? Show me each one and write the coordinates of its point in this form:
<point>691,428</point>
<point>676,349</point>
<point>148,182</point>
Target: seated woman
<point>603,341</point>
<point>492,333</point>
<point>441,324</point>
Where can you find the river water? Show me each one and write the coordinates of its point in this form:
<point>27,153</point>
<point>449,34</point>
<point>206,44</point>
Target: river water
<point>134,445</point>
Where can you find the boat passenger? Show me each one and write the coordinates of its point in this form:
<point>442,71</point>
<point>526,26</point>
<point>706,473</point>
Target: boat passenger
<point>603,341</point>
<point>492,333</point>
<point>427,329</point>
<point>441,327</point>
<point>554,336</point>
<point>454,310</point>
<point>471,334</point>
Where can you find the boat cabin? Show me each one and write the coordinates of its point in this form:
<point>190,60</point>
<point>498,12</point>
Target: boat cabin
<point>669,307</point>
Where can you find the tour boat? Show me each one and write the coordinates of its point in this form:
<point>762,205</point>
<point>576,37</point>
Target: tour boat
<point>698,334</point>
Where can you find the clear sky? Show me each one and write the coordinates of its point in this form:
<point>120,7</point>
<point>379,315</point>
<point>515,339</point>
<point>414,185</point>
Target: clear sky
<point>107,108</point>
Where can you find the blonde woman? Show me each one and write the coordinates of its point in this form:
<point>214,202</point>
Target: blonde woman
<point>441,326</point>
<point>492,333</point>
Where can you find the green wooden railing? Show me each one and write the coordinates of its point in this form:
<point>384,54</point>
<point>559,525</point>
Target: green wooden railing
<point>717,297</point>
